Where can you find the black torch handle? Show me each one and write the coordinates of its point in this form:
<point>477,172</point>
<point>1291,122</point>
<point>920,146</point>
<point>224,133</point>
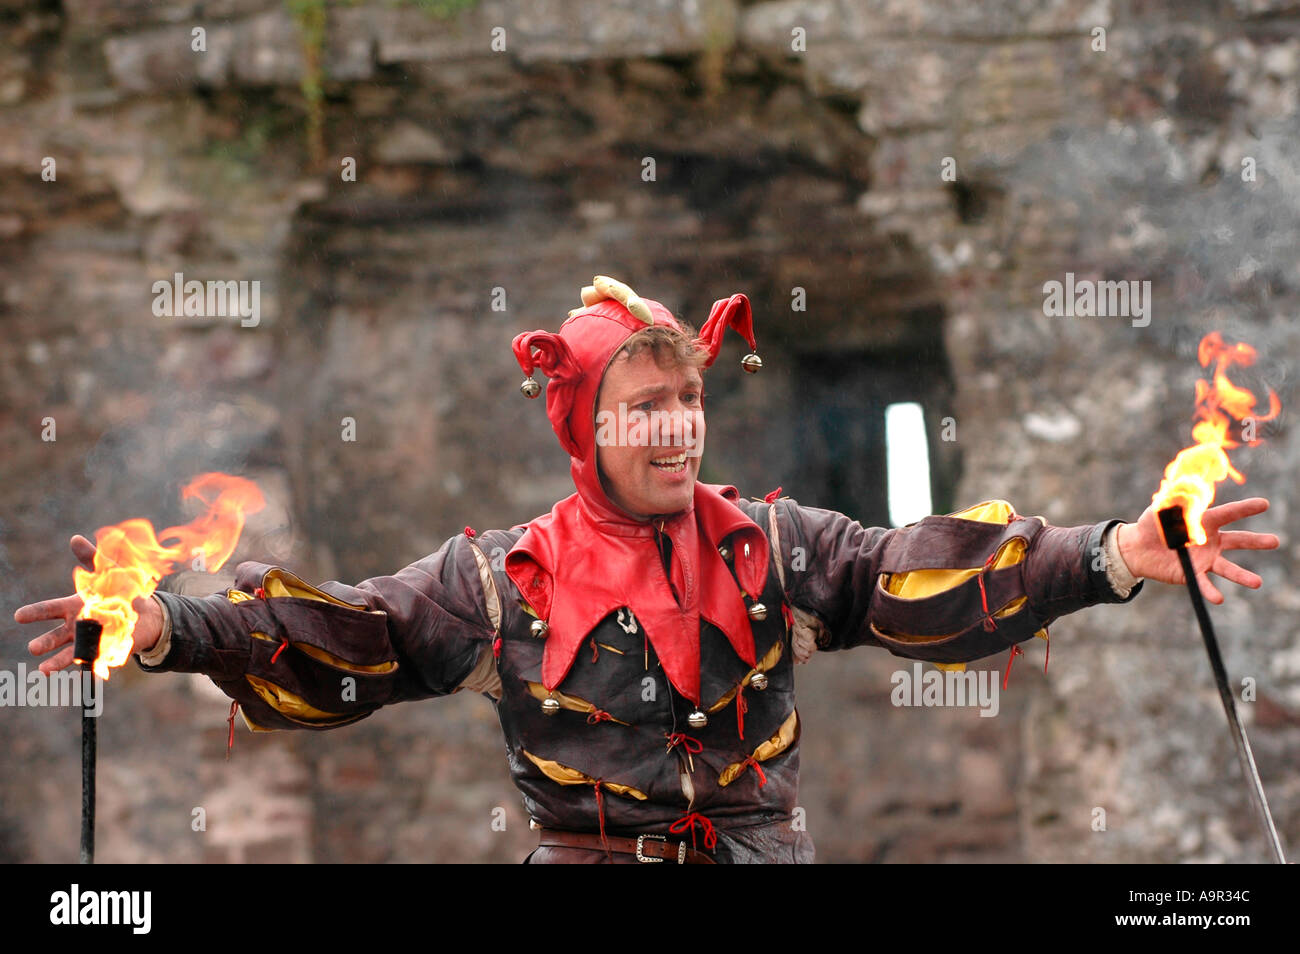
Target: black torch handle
<point>85,651</point>
<point>1178,543</point>
<point>88,746</point>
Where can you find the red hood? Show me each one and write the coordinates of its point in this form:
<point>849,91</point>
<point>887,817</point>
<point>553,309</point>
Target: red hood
<point>588,558</point>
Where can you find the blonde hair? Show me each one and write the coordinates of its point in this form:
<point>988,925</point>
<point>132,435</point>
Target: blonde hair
<point>670,348</point>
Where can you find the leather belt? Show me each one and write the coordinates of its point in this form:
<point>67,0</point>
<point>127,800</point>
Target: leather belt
<point>649,849</point>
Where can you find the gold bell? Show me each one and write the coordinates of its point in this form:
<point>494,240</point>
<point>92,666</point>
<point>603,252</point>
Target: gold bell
<point>758,611</point>
<point>530,388</point>
<point>539,628</point>
<point>724,551</point>
<point>550,705</point>
<point>758,681</point>
<point>697,720</point>
<point>751,362</point>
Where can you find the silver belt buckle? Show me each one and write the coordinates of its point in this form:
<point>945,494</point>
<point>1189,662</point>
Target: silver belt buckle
<point>641,857</point>
<point>640,842</point>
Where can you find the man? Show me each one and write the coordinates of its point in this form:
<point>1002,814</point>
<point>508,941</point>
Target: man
<point>639,641</point>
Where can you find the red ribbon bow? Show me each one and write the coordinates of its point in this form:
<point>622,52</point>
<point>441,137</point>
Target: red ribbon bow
<point>689,821</point>
<point>690,743</point>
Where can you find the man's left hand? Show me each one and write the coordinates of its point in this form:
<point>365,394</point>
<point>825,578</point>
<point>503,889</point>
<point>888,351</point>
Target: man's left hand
<point>1143,548</point>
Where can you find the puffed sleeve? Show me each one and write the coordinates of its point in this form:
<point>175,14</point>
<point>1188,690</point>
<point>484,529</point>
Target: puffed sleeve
<point>947,589</point>
<point>295,655</point>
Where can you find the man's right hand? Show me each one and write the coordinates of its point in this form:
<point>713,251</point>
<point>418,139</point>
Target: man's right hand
<point>147,629</point>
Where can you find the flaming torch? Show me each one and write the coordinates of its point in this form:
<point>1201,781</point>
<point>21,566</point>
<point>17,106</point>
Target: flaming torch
<point>129,562</point>
<point>1187,492</point>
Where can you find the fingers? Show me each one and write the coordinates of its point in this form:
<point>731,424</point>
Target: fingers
<point>1247,540</point>
<point>62,661</point>
<point>48,642</point>
<point>67,606</point>
<point>1230,512</point>
<point>1208,589</point>
<point>49,609</point>
<point>1237,574</point>
<point>84,551</point>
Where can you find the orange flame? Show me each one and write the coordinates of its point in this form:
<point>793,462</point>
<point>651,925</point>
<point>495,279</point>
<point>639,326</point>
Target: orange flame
<point>1191,477</point>
<point>130,560</point>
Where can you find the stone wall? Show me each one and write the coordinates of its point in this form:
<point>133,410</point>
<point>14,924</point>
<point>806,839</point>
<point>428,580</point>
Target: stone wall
<point>795,145</point>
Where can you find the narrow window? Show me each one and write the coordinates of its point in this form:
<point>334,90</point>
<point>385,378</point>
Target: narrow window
<point>908,463</point>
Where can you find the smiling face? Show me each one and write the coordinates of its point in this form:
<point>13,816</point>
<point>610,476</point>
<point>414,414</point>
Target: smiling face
<point>664,419</point>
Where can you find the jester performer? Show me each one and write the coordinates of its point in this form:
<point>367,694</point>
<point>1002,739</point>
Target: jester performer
<point>639,642</point>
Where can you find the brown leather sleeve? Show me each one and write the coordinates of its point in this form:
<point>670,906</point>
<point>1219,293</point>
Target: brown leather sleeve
<point>832,566</point>
<point>305,661</point>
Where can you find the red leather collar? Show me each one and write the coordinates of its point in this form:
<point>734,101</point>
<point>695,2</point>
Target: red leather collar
<point>575,566</point>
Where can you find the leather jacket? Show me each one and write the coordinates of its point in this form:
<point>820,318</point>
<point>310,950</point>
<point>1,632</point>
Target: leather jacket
<point>617,752</point>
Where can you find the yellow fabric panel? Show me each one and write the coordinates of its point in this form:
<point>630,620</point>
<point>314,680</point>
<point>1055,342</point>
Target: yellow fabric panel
<point>990,511</point>
<point>278,582</point>
<point>559,773</point>
<point>955,667</point>
<point>723,702</point>
<point>916,584</point>
<point>779,742</point>
<point>731,773</point>
<point>252,726</point>
<point>564,775</point>
<point>566,701</point>
<point>290,705</point>
<point>315,652</point>
<point>618,788</point>
<point>770,748</point>
<point>770,659</point>
<point>238,596</point>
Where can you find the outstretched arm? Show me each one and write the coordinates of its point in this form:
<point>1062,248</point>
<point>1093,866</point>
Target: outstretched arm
<point>946,589</point>
<point>301,656</point>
